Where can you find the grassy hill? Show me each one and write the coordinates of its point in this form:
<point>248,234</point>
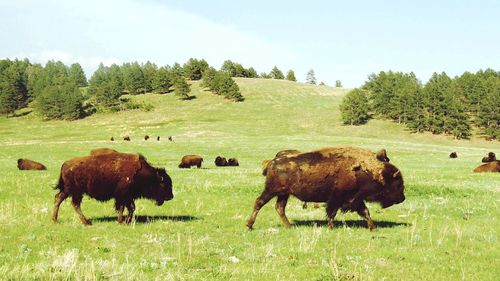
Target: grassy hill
<point>447,229</point>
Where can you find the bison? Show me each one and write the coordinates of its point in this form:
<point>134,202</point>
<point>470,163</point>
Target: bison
<point>382,155</point>
<point>220,161</point>
<point>158,138</point>
<point>191,160</point>
<point>146,137</point>
<point>233,162</point>
<point>490,158</point>
<point>122,176</point>
<point>112,139</point>
<point>453,155</point>
<point>126,138</point>
<point>26,164</point>
<point>170,138</point>
<point>493,166</point>
<point>343,177</point>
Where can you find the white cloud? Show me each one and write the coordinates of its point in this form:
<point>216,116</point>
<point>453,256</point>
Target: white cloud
<point>114,31</point>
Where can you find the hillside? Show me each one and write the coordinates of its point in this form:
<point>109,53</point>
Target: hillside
<point>449,217</point>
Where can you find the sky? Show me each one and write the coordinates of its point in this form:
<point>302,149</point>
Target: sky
<point>340,40</point>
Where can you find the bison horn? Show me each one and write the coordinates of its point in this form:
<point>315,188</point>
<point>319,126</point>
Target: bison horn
<point>356,167</point>
<point>396,174</point>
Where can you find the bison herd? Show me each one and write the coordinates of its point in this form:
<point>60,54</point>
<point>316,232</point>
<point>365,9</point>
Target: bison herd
<point>146,137</point>
<point>343,178</point>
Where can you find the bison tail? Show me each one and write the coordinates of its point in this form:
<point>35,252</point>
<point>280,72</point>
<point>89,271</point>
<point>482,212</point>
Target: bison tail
<point>60,183</point>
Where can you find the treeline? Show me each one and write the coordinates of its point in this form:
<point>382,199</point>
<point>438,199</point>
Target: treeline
<point>444,105</point>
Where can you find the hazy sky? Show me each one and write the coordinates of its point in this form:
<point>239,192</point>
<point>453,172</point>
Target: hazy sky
<point>340,40</point>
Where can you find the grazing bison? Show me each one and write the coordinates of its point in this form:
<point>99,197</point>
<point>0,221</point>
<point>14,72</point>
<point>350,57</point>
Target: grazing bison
<point>453,155</point>
<point>220,161</point>
<point>342,177</point>
<point>126,138</point>
<point>493,166</point>
<point>26,164</point>
<point>170,138</point>
<point>382,155</point>
<point>158,138</point>
<point>103,150</point>
<point>146,137</point>
<point>122,176</point>
<point>191,160</point>
<point>233,162</point>
<point>490,158</point>
<point>112,139</point>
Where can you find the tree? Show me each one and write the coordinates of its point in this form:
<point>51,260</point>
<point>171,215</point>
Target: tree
<point>133,78</point>
<point>163,80</point>
<point>209,79</point>
<point>276,73</point>
<point>354,108</point>
<point>265,75</point>
<point>193,68</point>
<point>251,73</point>
<point>311,77</point>
<point>149,71</point>
<point>77,75</point>
<point>290,76</point>
<point>338,84</point>
<point>227,87</point>
<point>181,88</point>
<point>488,115</point>
<point>60,102</point>
<point>13,88</point>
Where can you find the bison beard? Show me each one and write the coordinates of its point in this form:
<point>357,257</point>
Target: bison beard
<point>342,177</point>
<point>103,176</point>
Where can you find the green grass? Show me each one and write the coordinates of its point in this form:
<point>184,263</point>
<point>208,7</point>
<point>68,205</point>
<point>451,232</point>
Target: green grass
<point>447,229</point>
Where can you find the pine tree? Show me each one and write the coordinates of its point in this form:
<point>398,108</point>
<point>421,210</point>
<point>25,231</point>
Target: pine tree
<point>276,73</point>
<point>338,84</point>
<point>209,79</point>
<point>311,77</point>
<point>77,75</point>
<point>488,115</point>
<point>354,108</point>
<point>13,88</point>
<point>149,71</point>
<point>193,68</point>
<point>133,78</point>
<point>227,87</point>
<point>163,80</point>
<point>181,88</point>
<point>290,76</point>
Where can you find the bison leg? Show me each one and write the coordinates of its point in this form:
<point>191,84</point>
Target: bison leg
<point>120,213</point>
<point>76,205</point>
<point>332,206</point>
<point>131,209</point>
<point>259,202</point>
<point>304,206</point>
<point>59,198</point>
<point>362,210</point>
<point>280,208</point>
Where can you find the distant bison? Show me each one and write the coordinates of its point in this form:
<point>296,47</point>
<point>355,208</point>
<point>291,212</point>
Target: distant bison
<point>453,155</point>
<point>233,162</point>
<point>490,158</point>
<point>342,177</point>
<point>191,160</point>
<point>220,161</point>
<point>103,150</point>
<point>382,155</point>
<point>170,138</point>
<point>146,137</point>
<point>158,138</point>
<point>122,176</point>
<point>493,166</point>
<point>126,138</point>
<point>26,164</point>
<point>112,139</point>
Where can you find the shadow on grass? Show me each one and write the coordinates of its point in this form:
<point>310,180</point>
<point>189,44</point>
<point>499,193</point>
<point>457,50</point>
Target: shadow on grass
<point>146,219</point>
<point>349,223</point>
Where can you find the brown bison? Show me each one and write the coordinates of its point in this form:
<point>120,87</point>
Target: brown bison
<point>490,158</point>
<point>170,138</point>
<point>112,139</point>
<point>122,176</point>
<point>493,166</point>
<point>26,164</point>
<point>103,150</point>
<point>382,155</point>
<point>146,137</point>
<point>126,138</point>
<point>342,177</point>
<point>453,155</point>
<point>220,161</point>
<point>191,160</point>
<point>158,138</point>
<point>286,153</point>
<point>233,162</point>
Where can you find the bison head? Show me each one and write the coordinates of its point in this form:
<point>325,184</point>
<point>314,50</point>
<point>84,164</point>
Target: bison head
<point>392,189</point>
<point>164,190</point>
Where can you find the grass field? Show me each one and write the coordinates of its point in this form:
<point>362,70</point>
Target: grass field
<point>447,229</point>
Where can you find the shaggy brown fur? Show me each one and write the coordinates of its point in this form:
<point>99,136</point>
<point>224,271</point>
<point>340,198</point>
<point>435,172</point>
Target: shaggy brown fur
<point>122,176</point>
<point>453,155</point>
<point>493,166</point>
<point>233,162</point>
<point>343,177</point>
<point>490,158</point>
<point>191,160</point>
<point>220,161</point>
<point>26,164</point>
<point>382,155</point>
